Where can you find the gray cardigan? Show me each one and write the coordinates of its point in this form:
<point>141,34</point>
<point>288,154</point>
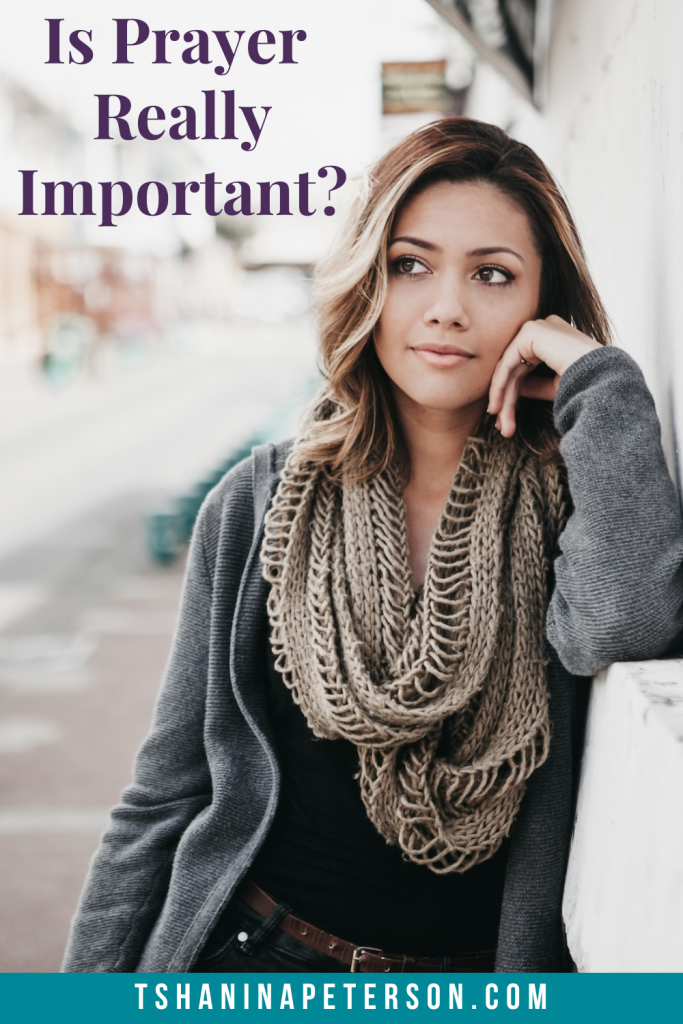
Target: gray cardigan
<point>206,780</point>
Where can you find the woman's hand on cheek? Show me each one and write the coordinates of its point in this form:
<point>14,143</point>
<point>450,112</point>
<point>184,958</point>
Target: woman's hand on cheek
<point>551,341</point>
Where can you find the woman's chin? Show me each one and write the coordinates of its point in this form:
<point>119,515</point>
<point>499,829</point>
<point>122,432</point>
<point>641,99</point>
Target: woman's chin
<point>442,401</point>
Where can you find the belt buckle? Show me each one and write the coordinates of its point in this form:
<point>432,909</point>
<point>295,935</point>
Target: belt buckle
<point>357,953</point>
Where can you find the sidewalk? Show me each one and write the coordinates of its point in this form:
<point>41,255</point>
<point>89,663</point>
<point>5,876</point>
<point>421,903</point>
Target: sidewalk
<point>78,678</point>
<point>85,621</point>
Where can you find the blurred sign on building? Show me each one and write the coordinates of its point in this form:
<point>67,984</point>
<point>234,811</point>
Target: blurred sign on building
<point>409,87</point>
<point>513,35</point>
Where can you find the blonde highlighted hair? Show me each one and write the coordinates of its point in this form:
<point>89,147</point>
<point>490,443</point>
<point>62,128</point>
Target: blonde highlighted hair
<point>353,427</point>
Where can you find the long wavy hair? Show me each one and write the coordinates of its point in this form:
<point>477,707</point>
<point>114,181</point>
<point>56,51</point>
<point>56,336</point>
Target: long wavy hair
<point>353,427</point>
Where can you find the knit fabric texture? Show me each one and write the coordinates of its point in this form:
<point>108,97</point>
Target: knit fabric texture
<point>443,693</point>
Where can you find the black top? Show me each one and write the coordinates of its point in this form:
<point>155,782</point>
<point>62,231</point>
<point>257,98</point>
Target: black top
<point>326,860</point>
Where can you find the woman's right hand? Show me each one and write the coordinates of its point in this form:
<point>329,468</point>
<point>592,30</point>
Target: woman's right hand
<point>552,342</point>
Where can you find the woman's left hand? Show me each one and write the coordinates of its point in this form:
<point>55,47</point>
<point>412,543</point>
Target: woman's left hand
<point>551,341</point>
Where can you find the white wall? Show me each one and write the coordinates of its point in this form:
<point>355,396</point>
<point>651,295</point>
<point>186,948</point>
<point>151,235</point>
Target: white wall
<point>623,900</point>
<point>612,132</point>
<point>613,135</point>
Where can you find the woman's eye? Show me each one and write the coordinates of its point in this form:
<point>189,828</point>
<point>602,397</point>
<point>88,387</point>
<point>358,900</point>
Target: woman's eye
<point>407,265</point>
<point>494,275</point>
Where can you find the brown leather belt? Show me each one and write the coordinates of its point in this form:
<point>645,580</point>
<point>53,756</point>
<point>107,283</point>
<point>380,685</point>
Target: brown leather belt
<point>358,958</point>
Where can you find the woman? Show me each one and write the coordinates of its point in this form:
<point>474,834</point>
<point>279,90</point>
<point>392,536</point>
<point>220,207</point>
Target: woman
<point>364,761</point>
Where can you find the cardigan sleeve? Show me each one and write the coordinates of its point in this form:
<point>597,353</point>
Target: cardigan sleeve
<point>129,876</point>
<point>618,593</point>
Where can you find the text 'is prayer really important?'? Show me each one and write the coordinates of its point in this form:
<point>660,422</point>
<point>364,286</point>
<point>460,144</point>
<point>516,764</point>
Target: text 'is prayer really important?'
<point>215,116</point>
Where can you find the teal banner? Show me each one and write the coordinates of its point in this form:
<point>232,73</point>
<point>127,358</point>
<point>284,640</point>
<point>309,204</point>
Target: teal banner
<point>114,998</point>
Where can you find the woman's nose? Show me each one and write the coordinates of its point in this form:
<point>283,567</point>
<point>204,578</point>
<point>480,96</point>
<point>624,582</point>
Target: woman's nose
<point>447,304</point>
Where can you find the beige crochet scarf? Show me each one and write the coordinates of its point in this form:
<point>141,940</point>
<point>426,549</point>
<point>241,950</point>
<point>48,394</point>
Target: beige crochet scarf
<point>444,692</point>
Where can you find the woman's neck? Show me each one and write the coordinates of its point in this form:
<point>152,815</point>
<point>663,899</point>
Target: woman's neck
<point>435,440</point>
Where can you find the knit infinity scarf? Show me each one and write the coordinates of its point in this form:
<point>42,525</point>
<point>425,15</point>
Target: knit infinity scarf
<point>443,693</point>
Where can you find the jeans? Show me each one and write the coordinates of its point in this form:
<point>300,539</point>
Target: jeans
<point>274,952</point>
<point>244,941</point>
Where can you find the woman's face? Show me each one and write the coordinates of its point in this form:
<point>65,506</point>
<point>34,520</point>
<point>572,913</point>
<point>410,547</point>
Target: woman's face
<point>464,275</point>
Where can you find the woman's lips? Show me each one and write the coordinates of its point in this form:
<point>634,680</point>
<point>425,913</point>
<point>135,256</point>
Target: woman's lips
<point>442,357</point>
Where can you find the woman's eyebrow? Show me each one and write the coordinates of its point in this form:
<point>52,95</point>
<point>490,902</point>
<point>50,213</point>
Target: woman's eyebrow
<point>416,241</point>
<point>491,249</point>
<point>488,250</point>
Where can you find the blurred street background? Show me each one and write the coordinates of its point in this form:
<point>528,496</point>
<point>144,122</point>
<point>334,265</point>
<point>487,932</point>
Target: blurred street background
<point>135,364</point>
<point>138,362</point>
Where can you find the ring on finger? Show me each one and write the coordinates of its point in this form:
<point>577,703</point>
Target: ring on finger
<point>525,362</point>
